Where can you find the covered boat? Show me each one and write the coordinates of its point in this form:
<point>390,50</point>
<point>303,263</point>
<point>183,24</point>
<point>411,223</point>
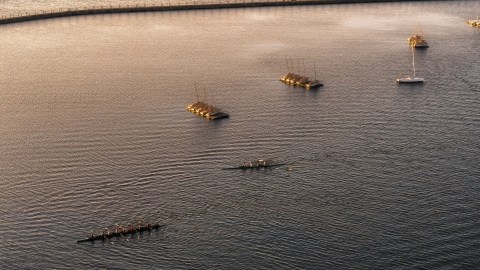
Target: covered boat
<point>417,41</point>
<point>300,80</point>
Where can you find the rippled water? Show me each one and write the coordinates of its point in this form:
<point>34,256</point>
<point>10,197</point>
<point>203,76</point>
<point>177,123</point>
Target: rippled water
<point>94,132</point>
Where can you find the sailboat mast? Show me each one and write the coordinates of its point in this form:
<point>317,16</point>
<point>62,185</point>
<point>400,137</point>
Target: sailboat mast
<point>196,90</point>
<point>288,66</point>
<point>298,63</point>
<point>205,93</point>
<point>413,61</point>
<point>314,71</point>
<point>304,70</point>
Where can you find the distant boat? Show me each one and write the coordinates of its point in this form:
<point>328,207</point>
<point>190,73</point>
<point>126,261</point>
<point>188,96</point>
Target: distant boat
<point>121,232</point>
<point>300,80</point>
<point>413,79</point>
<point>417,41</point>
<point>475,23</point>
<point>257,164</point>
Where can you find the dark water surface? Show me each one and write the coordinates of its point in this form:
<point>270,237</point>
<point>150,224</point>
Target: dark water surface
<point>94,131</point>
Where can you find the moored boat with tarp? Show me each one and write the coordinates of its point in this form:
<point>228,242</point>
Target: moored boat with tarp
<point>300,80</point>
<point>205,109</point>
<point>475,23</point>
<point>417,41</point>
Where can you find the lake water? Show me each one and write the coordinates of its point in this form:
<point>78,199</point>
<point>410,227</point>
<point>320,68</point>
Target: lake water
<point>94,132</point>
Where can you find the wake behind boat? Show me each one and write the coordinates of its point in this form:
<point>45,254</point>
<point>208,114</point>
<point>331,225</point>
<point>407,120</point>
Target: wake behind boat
<point>259,163</point>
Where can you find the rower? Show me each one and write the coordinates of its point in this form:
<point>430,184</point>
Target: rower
<point>147,226</point>
<point>131,228</point>
<point>116,229</point>
<point>92,235</point>
<point>139,225</point>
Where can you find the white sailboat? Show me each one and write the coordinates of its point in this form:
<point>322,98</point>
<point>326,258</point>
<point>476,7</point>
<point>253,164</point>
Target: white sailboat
<point>413,79</point>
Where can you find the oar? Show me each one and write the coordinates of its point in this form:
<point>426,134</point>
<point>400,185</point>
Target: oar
<point>123,236</point>
<point>138,235</point>
<point>105,236</point>
<point>120,232</point>
<point>139,226</point>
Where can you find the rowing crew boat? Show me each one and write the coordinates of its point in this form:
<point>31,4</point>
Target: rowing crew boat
<point>261,163</point>
<point>253,167</point>
<point>109,235</point>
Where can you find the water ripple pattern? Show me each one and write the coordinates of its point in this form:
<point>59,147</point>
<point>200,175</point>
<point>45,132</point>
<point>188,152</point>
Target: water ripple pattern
<point>95,132</point>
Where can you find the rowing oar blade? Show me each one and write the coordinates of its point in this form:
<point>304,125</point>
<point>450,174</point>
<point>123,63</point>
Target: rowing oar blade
<point>121,233</point>
<point>111,242</point>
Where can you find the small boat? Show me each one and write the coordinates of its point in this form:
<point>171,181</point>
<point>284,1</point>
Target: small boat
<point>120,232</point>
<point>475,23</point>
<point>259,163</point>
<point>417,41</point>
<point>216,115</point>
<point>413,79</point>
<point>315,82</point>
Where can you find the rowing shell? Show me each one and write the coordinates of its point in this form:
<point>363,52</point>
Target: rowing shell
<point>253,166</point>
<point>114,234</point>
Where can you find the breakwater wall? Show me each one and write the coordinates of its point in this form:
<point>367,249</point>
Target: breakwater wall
<point>176,6</point>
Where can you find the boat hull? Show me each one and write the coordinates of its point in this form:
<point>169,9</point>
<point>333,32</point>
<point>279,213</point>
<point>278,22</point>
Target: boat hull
<point>217,116</point>
<point>410,80</point>
<point>313,85</point>
<point>420,46</point>
<point>206,114</point>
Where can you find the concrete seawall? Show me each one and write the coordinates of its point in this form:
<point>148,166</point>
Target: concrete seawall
<point>194,5</point>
